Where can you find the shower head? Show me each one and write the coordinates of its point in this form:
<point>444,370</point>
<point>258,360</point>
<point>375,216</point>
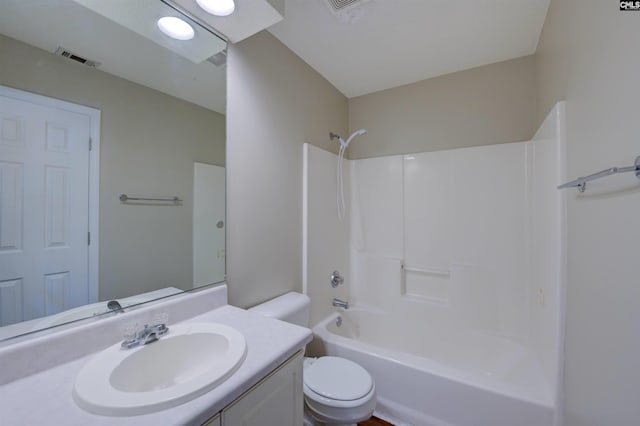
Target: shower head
<point>333,136</point>
<point>353,135</point>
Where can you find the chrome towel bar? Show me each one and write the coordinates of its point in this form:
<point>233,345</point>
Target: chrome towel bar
<point>581,182</point>
<point>124,198</point>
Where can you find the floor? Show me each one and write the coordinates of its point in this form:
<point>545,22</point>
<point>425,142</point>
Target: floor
<point>374,421</point>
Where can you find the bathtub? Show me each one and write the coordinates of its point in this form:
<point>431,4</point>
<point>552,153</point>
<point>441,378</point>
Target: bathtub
<point>442,379</point>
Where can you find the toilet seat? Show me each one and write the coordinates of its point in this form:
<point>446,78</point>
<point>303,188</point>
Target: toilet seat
<point>337,379</point>
<point>338,391</point>
<point>313,398</point>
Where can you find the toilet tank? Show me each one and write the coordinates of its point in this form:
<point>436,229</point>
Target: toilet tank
<point>291,307</point>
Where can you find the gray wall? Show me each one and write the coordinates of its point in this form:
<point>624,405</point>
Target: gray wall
<point>485,105</point>
<point>149,142</point>
<point>276,102</point>
<point>588,55</point>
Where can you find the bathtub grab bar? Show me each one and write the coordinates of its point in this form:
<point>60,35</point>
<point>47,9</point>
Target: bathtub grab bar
<point>581,182</point>
<point>428,271</point>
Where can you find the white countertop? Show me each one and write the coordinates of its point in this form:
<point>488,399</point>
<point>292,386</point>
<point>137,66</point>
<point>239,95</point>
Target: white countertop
<point>44,398</point>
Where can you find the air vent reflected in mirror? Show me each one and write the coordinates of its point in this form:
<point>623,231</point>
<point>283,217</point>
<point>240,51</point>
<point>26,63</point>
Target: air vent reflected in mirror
<point>75,57</point>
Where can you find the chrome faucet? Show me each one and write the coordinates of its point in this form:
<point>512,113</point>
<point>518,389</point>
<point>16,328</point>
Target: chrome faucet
<point>147,335</point>
<point>340,303</point>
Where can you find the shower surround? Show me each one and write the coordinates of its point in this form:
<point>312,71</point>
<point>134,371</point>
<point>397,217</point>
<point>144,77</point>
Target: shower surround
<point>455,268</point>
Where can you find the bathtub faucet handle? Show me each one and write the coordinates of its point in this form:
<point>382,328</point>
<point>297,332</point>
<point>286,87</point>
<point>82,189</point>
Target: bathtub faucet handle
<point>336,279</point>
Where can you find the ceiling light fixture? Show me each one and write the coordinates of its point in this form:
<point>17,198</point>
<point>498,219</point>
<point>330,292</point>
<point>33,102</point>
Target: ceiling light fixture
<point>176,28</point>
<point>218,7</point>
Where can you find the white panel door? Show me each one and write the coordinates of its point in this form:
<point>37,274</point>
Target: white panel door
<point>44,202</point>
<point>208,224</point>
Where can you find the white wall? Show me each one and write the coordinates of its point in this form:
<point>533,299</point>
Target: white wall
<point>546,211</point>
<point>376,230</point>
<point>479,232</point>
<point>587,55</point>
<point>458,214</point>
<point>276,102</point>
<point>326,239</point>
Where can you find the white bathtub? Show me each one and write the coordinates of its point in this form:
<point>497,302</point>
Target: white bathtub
<point>458,379</point>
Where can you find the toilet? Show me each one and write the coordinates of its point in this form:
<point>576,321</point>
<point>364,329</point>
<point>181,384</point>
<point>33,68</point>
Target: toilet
<point>337,391</point>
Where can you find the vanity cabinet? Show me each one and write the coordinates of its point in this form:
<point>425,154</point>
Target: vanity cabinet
<point>276,400</point>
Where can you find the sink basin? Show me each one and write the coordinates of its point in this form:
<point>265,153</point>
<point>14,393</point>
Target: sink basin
<point>190,360</point>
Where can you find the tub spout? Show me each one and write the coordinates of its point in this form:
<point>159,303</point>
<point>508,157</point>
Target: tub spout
<point>340,303</point>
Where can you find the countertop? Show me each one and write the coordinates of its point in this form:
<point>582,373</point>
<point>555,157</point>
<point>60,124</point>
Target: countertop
<point>45,398</point>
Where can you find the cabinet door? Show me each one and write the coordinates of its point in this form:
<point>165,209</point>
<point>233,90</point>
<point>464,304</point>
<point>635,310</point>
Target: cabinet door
<point>276,400</point>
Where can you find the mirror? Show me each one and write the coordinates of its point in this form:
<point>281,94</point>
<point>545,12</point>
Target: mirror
<point>157,128</point>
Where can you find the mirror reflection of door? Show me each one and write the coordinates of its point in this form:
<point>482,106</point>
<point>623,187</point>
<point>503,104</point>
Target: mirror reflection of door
<point>44,206</point>
<point>208,224</point>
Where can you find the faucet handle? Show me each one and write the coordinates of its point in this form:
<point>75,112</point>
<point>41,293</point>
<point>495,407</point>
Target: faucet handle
<point>159,323</point>
<point>336,279</point>
<point>130,331</point>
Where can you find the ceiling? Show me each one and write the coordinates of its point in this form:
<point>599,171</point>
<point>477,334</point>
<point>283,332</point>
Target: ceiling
<point>48,24</point>
<point>371,46</point>
<point>380,44</point>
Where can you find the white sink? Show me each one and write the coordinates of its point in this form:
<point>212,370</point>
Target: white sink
<point>188,361</point>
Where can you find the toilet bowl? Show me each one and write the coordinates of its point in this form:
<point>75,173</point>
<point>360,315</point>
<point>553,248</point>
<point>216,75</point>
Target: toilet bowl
<point>337,391</point>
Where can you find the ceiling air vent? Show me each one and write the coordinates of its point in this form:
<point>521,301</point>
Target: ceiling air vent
<point>75,57</point>
<point>338,6</point>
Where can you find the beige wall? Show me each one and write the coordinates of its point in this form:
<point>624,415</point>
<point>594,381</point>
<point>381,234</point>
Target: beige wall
<point>588,55</point>
<point>276,102</point>
<point>485,105</point>
<point>149,142</point>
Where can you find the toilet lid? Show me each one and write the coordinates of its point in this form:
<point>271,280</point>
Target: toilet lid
<point>337,378</point>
